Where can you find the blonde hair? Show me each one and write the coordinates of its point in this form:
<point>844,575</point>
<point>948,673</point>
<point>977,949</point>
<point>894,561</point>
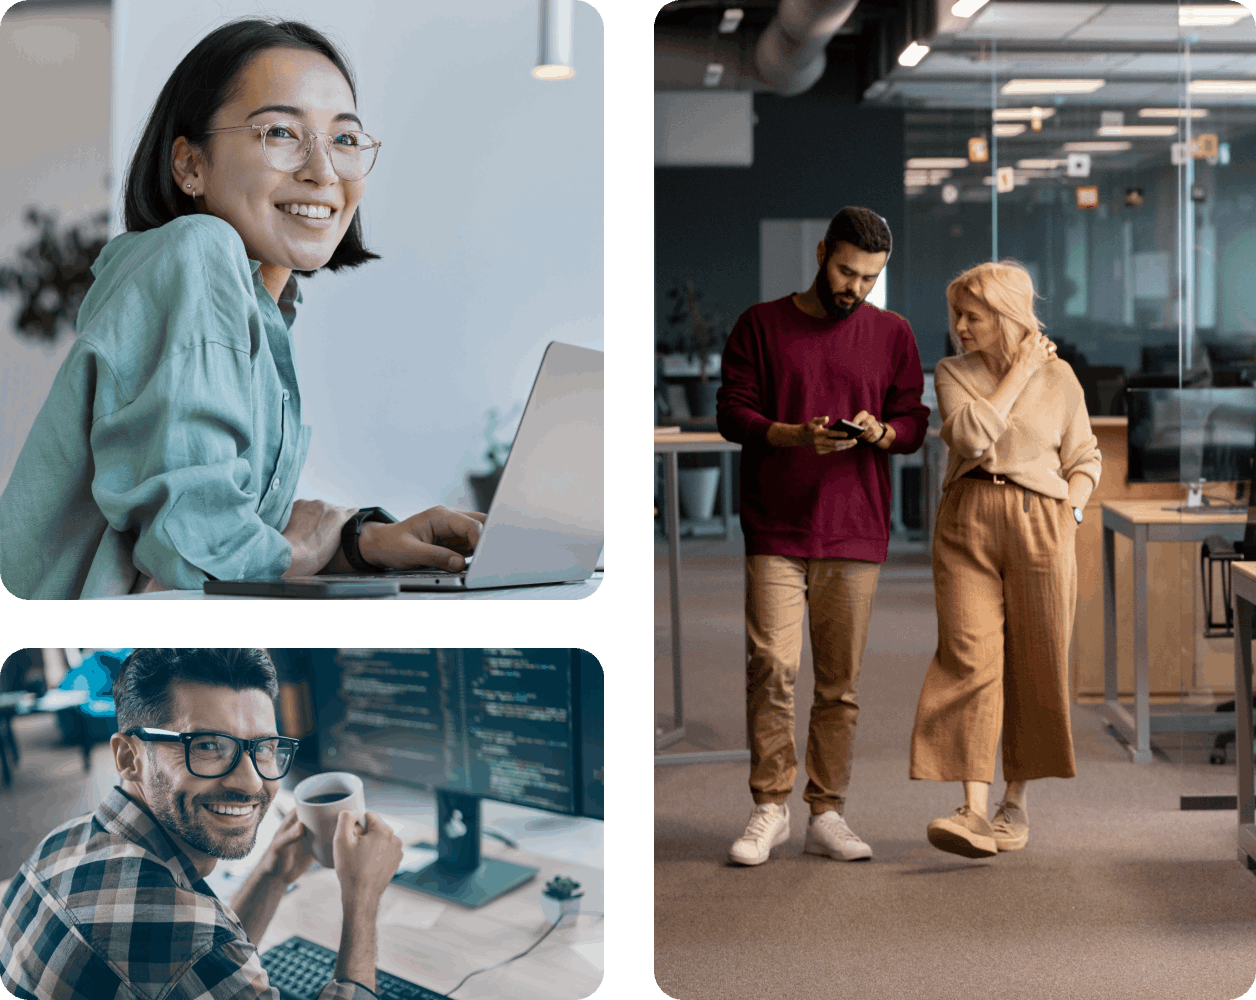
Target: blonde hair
<point>1007,290</point>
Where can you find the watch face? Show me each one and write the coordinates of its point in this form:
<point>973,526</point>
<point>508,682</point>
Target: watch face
<point>1077,514</point>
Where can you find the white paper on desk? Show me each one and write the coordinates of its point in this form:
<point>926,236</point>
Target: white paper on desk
<point>409,908</point>
<point>591,952</point>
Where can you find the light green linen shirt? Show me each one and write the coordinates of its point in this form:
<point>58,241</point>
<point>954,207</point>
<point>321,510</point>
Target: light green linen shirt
<point>170,444</point>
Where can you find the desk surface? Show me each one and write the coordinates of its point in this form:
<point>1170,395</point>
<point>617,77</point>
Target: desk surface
<point>1244,569</point>
<point>693,441</point>
<point>544,592</point>
<point>1153,512</point>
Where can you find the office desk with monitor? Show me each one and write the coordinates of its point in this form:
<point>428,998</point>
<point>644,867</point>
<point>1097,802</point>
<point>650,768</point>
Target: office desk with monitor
<point>1145,522</point>
<point>1243,580</point>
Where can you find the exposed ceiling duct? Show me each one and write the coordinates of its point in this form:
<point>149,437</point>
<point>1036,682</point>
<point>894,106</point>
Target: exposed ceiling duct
<point>786,56</point>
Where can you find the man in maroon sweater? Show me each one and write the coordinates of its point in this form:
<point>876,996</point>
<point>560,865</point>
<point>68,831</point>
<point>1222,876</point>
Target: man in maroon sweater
<point>815,512</point>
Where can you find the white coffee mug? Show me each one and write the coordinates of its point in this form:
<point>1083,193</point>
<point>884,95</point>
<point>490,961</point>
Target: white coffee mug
<point>339,791</point>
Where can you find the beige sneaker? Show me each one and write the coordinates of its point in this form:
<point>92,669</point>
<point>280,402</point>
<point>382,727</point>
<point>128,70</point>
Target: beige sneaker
<point>964,833</point>
<point>1011,827</point>
<point>768,827</point>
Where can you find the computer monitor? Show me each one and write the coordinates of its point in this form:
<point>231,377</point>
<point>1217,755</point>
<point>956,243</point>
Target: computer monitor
<point>518,725</point>
<point>1223,419</point>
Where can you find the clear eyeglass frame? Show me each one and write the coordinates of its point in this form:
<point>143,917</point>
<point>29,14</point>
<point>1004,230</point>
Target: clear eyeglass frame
<point>242,746</point>
<point>370,144</point>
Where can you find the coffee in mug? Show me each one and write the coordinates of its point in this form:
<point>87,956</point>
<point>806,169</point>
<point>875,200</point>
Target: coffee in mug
<point>320,801</point>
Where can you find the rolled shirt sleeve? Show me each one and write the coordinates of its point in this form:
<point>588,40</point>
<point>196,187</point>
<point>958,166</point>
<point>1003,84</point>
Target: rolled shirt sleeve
<point>171,441</point>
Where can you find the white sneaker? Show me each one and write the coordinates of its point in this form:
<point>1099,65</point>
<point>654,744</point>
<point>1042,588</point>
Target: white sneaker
<point>829,835</point>
<point>768,827</point>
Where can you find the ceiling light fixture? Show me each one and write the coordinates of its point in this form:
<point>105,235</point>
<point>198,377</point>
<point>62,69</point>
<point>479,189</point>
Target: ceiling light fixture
<point>912,55</point>
<point>967,8</point>
<point>1040,164</point>
<point>1005,130</point>
<point>1137,130</point>
<point>1052,86</point>
<point>553,58</point>
<point>1212,15</point>
<point>1223,86</point>
<point>713,75</point>
<point>936,163</point>
<point>1097,147</point>
<point>1021,114</point>
<point>731,20</point>
<point>1172,113</point>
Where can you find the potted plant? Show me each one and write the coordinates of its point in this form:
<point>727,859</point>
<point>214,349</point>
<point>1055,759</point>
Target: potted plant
<point>53,273</point>
<point>560,902</point>
<point>699,334</point>
<point>484,484</point>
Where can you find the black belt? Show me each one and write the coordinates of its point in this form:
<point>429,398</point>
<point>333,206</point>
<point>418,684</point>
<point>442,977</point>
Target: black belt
<point>990,477</point>
<point>994,477</point>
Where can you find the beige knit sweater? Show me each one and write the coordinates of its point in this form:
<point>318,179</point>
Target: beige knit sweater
<point>1045,444</point>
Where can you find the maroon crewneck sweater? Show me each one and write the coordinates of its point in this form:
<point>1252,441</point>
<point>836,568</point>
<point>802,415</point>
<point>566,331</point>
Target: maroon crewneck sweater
<point>781,364</point>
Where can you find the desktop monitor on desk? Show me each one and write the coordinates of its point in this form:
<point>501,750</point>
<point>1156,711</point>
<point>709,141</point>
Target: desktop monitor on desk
<point>517,725</point>
<point>1170,429</point>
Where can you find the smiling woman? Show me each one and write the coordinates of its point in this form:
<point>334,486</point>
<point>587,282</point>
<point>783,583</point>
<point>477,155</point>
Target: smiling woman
<point>245,75</point>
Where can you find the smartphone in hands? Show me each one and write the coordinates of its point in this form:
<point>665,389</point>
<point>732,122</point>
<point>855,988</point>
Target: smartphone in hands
<point>852,429</point>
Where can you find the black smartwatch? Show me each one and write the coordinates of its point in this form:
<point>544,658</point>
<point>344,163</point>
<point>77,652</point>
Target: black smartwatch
<point>352,531</point>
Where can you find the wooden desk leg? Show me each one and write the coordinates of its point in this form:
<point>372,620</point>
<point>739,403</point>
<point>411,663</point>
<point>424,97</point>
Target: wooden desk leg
<point>1243,719</point>
<point>1141,752</point>
<point>671,487</point>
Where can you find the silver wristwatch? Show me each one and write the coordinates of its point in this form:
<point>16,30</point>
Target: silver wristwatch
<point>1077,514</point>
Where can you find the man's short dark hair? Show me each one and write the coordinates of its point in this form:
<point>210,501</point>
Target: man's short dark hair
<point>141,691</point>
<point>862,228</point>
<point>201,84</point>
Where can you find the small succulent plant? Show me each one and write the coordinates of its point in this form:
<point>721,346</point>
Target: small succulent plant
<point>562,887</point>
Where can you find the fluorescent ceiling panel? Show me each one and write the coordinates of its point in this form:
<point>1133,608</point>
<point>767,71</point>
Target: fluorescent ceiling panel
<point>1205,87</point>
<point>1211,15</point>
<point>1030,20</point>
<point>1097,147</point>
<point>1006,130</point>
<point>1051,86</point>
<point>1022,114</point>
<point>1171,113</point>
<point>1136,131</point>
<point>1161,64</point>
<point>937,163</point>
<point>1129,23</point>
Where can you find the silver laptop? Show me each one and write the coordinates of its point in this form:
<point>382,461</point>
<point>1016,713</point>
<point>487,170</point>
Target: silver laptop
<point>545,522</point>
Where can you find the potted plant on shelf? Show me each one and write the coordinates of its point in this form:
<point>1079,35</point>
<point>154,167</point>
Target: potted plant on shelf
<point>698,336</point>
<point>560,902</point>
<point>484,484</point>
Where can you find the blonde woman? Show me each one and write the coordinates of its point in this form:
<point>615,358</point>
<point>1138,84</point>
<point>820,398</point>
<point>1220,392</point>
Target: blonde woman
<point>1023,462</point>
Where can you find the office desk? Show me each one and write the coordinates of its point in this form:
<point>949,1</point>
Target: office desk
<point>1143,522</point>
<point>544,592</point>
<point>1243,580</point>
<point>671,445</point>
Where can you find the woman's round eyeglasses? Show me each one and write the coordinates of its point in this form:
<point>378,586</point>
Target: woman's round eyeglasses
<point>288,146</point>
<point>212,755</point>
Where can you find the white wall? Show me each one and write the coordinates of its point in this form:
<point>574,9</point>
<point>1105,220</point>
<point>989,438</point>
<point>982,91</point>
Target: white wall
<point>486,205</point>
<point>59,65</point>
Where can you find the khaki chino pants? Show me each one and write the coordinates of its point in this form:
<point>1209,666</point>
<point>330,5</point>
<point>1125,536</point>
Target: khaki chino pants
<point>1005,579</point>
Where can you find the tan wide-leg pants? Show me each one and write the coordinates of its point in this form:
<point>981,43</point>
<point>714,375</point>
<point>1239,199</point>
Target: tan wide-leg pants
<point>1005,579</point>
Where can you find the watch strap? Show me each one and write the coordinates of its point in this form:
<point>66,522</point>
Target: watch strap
<point>351,533</point>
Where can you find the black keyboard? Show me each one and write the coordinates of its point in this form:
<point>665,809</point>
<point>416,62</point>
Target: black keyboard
<point>300,968</point>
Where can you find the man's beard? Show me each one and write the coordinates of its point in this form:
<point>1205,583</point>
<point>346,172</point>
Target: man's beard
<point>180,815</point>
<point>824,290</point>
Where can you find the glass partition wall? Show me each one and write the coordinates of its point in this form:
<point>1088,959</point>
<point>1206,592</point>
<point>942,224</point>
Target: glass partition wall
<point>1111,149</point>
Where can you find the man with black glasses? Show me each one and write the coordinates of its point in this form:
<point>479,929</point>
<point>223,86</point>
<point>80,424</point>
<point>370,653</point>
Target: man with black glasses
<point>115,904</point>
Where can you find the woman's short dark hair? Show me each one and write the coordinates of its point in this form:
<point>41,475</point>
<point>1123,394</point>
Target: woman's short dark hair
<point>141,691</point>
<point>861,228</point>
<point>199,86</point>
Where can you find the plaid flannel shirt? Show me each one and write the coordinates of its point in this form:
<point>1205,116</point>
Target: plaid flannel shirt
<point>108,908</point>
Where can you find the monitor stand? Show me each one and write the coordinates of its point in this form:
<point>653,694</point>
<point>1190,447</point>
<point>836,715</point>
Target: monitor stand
<point>460,874</point>
<point>1198,503</point>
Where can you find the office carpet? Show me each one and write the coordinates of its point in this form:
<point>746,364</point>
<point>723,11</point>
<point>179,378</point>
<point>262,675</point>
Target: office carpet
<point>1119,894</point>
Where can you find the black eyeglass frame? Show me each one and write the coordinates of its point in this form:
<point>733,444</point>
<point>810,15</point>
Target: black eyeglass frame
<point>149,735</point>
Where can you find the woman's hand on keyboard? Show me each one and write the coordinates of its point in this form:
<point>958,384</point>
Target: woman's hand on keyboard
<point>438,537</point>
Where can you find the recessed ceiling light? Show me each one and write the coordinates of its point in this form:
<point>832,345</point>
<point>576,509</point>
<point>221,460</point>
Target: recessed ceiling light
<point>937,163</point>
<point>731,20</point>
<point>1005,130</point>
<point>1021,114</point>
<point>1217,15</point>
<point>713,75</point>
<point>967,8</point>
<point>1040,164</point>
<point>1097,147</point>
<point>1052,86</point>
<point>1138,130</point>
<point>911,55</point>
<point>1172,113</point>
<point>1223,86</point>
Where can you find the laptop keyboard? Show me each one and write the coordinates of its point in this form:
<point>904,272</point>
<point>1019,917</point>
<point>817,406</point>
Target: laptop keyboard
<point>301,968</point>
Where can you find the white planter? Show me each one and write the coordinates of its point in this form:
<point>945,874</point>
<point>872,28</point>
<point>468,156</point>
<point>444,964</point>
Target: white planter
<point>551,908</point>
<point>698,488</point>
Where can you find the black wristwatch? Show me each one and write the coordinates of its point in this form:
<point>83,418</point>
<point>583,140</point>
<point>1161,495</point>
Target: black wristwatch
<point>352,531</point>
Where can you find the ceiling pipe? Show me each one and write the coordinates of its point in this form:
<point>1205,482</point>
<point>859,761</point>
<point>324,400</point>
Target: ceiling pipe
<point>788,57</point>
